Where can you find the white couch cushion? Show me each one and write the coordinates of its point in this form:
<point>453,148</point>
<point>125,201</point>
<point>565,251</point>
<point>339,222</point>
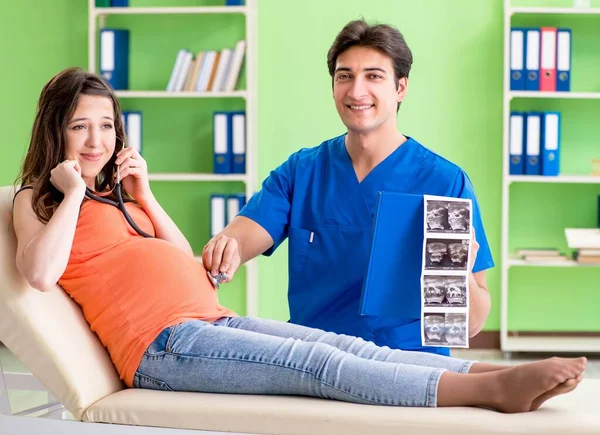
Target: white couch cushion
<point>47,331</point>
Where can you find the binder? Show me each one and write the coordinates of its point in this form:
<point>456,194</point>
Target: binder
<point>234,204</point>
<point>548,59</point>
<point>103,3</point>
<point>133,129</point>
<point>563,60</point>
<point>551,143</point>
<point>238,142</point>
<point>517,59</point>
<point>532,143</point>
<point>119,3</point>
<point>516,138</point>
<point>234,2</point>
<point>221,143</point>
<point>532,59</point>
<point>392,284</point>
<point>217,214</point>
<point>114,57</point>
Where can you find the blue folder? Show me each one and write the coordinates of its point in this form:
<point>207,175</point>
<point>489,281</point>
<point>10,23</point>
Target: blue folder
<point>222,142</point>
<point>550,145</point>
<point>114,57</point>
<point>563,60</point>
<point>392,285</point>
<point>517,59</point>
<point>532,59</point>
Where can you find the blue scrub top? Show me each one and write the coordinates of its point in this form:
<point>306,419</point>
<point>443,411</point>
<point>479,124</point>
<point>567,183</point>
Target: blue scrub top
<point>315,200</point>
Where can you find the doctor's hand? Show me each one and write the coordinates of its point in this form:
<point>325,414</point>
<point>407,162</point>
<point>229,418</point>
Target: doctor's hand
<point>221,254</point>
<point>66,177</point>
<point>474,248</point>
<point>134,174</point>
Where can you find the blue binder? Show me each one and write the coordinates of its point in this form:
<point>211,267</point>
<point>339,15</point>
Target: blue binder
<point>132,121</point>
<point>234,204</point>
<point>114,57</point>
<point>533,142</point>
<point>516,143</point>
<point>234,3</point>
<point>550,143</point>
<point>532,59</point>
<point>392,285</point>
<point>218,215</point>
<point>238,142</point>
<point>222,143</point>
<point>563,60</point>
<point>119,3</point>
<point>517,59</point>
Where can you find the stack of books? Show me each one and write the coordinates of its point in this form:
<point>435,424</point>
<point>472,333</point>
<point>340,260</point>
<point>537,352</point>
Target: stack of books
<point>542,255</point>
<point>208,71</point>
<point>587,256</point>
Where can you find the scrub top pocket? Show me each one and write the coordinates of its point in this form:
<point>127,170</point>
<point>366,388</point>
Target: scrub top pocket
<point>299,241</point>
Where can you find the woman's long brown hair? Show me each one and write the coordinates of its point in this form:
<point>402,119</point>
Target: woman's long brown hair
<point>47,147</point>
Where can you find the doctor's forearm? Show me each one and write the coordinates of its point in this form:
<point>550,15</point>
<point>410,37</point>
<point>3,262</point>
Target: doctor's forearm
<point>479,306</point>
<point>252,238</point>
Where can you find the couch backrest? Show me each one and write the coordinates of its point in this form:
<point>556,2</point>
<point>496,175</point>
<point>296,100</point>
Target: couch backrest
<point>48,333</point>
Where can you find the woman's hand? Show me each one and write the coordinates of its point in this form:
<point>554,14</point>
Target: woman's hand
<point>66,177</point>
<point>134,174</point>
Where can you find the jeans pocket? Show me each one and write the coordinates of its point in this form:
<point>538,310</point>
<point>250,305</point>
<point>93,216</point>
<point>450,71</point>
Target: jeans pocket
<point>149,383</point>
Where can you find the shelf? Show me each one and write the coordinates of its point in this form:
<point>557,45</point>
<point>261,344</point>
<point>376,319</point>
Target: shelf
<point>182,10</point>
<point>196,177</point>
<point>551,344</point>
<point>181,94</point>
<point>555,11</point>
<point>579,179</point>
<point>570,263</point>
<point>556,95</point>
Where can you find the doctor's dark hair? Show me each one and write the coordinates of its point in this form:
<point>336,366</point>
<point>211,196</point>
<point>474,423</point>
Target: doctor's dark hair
<point>47,147</point>
<point>383,37</point>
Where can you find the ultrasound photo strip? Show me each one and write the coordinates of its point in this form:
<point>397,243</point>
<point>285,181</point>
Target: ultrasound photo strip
<point>444,273</point>
<point>448,215</point>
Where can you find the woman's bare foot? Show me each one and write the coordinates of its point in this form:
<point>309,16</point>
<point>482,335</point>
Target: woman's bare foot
<point>514,389</point>
<point>522,385</point>
<point>565,387</point>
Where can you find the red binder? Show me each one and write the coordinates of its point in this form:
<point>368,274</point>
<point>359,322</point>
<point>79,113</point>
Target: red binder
<point>548,59</point>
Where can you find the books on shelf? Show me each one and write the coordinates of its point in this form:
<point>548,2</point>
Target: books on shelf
<point>207,71</point>
<point>229,142</point>
<point>534,143</point>
<point>542,255</point>
<point>540,59</point>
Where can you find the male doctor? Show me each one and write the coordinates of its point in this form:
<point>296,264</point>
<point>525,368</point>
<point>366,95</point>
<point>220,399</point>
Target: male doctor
<point>323,198</point>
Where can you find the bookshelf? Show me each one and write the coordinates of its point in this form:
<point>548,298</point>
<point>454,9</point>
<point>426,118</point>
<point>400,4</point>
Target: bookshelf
<point>513,268</point>
<point>173,183</point>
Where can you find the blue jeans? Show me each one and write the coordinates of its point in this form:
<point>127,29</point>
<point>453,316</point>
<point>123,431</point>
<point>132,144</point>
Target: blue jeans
<point>244,355</point>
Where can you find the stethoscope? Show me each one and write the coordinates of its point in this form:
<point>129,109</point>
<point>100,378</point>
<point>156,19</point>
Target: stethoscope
<point>120,204</point>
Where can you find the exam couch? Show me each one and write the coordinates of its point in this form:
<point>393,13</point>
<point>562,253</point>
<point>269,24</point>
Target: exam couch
<point>48,334</point>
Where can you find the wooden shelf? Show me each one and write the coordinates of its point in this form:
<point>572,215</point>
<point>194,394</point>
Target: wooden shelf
<point>551,344</point>
<point>182,10</point>
<point>556,95</point>
<point>580,179</point>
<point>555,11</point>
<point>182,94</point>
<point>165,176</point>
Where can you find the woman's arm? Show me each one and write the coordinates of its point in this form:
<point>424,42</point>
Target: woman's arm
<point>43,250</point>
<point>164,226</point>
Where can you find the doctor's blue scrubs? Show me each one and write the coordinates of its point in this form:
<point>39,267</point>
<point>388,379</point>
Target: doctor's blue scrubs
<point>316,201</point>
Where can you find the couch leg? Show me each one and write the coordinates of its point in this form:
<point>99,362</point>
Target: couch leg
<point>5,408</point>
